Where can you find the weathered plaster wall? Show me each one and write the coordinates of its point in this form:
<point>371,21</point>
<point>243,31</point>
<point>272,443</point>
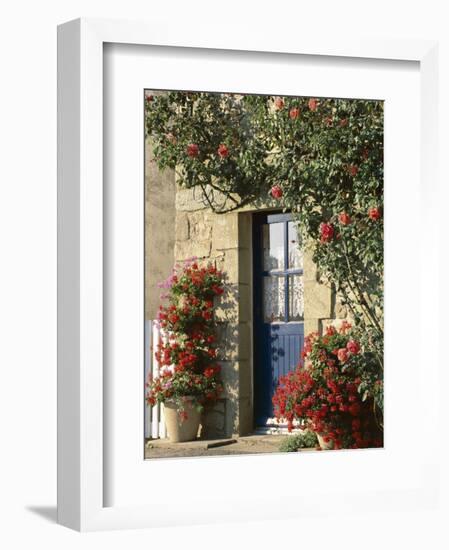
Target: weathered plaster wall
<point>160,193</point>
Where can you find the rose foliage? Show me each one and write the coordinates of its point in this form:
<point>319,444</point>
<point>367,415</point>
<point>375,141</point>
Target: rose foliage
<point>321,159</point>
<point>337,393</point>
<point>188,356</point>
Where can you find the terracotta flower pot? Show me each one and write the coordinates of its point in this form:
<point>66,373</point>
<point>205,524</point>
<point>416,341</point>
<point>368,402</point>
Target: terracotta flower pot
<point>325,446</point>
<point>178,429</point>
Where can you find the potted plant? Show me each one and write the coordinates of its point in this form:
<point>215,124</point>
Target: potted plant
<point>190,375</point>
<point>337,393</point>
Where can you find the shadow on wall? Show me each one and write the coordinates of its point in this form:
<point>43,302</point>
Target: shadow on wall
<point>220,419</point>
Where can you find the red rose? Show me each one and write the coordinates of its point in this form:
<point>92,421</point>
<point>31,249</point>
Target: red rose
<point>294,113</point>
<point>353,347</point>
<point>327,232</point>
<point>354,409</point>
<point>344,218</point>
<point>279,103</point>
<point>149,98</point>
<point>193,150</point>
<point>313,104</point>
<point>223,151</point>
<point>328,121</point>
<point>342,355</point>
<point>374,213</point>
<point>276,191</point>
<point>352,170</point>
<point>330,330</point>
<point>343,122</point>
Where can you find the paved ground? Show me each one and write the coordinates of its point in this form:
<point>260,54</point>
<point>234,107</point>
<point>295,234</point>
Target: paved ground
<point>252,444</point>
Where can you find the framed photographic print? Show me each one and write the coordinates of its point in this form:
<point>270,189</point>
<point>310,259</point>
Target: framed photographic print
<point>233,292</point>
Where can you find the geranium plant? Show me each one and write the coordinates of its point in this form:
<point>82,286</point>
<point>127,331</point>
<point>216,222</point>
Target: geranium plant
<point>337,392</point>
<point>188,356</point>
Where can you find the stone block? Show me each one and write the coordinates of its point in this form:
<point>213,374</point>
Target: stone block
<point>246,419</point>
<point>245,230</point>
<point>230,265</point>
<point>190,249</point>
<point>311,325</point>
<point>227,305</point>
<point>244,303</point>
<point>213,424</point>
<point>200,227</point>
<point>228,341</point>
<point>245,266</point>
<point>182,227</point>
<point>244,342</point>
<point>310,269</point>
<point>317,301</point>
<point>225,231</point>
<point>245,378</point>
<point>230,379</point>
<point>188,200</point>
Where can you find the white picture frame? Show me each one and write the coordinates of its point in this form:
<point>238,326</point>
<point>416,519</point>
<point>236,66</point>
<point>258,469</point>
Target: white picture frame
<point>82,491</point>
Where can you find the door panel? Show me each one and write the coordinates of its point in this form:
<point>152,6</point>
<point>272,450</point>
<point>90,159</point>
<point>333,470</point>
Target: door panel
<point>278,306</point>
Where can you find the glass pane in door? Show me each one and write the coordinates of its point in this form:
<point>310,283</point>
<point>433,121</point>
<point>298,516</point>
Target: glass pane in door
<point>295,254</point>
<point>273,246</point>
<point>273,299</point>
<point>295,298</point>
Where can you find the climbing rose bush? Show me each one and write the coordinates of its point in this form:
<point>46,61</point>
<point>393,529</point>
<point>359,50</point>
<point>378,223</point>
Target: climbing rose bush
<point>337,393</point>
<point>321,159</point>
<point>188,357</point>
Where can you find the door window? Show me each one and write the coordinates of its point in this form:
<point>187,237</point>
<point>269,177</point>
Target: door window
<point>282,282</point>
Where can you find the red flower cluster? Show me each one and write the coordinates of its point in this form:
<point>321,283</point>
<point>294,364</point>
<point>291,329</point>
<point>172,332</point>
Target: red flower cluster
<point>188,357</point>
<point>294,113</point>
<point>193,150</point>
<point>276,191</point>
<point>374,213</point>
<point>325,393</point>
<point>222,151</point>
<point>326,232</point>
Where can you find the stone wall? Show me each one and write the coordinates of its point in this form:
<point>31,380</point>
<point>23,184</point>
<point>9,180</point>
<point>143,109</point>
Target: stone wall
<point>178,227</point>
<point>160,193</point>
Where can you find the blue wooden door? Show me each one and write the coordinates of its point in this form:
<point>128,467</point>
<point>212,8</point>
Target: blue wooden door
<point>278,306</point>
